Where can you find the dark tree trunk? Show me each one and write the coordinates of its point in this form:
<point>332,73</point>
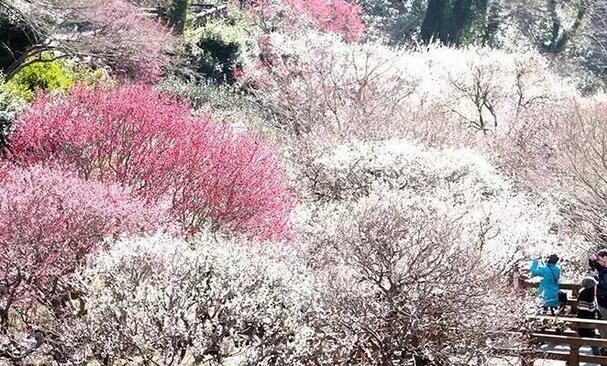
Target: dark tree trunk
<point>460,20</point>
<point>434,21</point>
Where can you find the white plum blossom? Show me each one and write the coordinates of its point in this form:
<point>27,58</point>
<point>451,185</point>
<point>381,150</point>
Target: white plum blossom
<point>505,223</point>
<point>161,299</point>
<point>322,91</point>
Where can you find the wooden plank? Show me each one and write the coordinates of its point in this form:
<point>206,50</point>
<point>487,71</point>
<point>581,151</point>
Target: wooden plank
<point>553,355</point>
<point>567,332</point>
<point>210,12</point>
<point>564,356</point>
<point>574,355</point>
<point>570,286</point>
<point>571,341</point>
<point>563,286</point>
<point>571,302</point>
<point>580,323</point>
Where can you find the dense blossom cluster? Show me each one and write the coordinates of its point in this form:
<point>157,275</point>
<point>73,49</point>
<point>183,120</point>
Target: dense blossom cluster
<point>497,220</point>
<point>337,16</point>
<point>500,104</point>
<point>159,299</point>
<point>49,222</point>
<point>139,44</point>
<point>137,137</point>
<point>341,17</point>
<point>397,275</point>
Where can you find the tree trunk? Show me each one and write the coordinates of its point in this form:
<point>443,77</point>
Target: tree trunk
<point>434,21</point>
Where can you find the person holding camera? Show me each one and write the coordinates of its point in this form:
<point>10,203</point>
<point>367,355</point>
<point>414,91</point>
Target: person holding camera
<point>587,309</point>
<point>549,290</point>
<point>598,263</point>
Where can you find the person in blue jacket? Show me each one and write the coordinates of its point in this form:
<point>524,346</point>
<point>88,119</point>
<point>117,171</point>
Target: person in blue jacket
<point>550,272</point>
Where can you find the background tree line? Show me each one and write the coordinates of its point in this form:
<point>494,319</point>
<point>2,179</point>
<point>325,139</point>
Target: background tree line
<point>575,28</point>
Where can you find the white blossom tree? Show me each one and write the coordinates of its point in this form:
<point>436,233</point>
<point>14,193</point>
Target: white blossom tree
<point>159,300</point>
<point>402,284</point>
<point>504,223</point>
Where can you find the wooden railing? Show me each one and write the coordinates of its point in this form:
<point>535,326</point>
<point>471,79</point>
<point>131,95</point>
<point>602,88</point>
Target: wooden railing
<point>569,286</point>
<point>572,289</point>
<point>570,338</point>
<point>205,15</point>
<point>562,330</point>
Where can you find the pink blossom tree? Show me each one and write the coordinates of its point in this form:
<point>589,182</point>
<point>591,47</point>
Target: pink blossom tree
<point>138,137</point>
<point>49,222</point>
<point>335,16</point>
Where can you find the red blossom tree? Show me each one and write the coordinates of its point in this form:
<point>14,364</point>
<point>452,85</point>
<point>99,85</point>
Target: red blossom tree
<point>336,16</point>
<point>342,17</point>
<point>138,137</point>
<point>49,222</point>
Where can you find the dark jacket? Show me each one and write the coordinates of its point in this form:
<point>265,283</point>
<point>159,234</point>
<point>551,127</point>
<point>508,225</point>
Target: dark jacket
<point>601,289</point>
<point>586,304</point>
<point>586,309</point>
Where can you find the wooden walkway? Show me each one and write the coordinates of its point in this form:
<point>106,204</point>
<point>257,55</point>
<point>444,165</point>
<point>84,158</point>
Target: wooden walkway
<point>557,335</point>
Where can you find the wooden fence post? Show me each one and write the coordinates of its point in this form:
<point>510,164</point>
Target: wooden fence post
<point>574,355</point>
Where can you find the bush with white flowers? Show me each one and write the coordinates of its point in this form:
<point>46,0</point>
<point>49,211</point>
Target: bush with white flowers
<point>504,223</point>
<point>159,300</point>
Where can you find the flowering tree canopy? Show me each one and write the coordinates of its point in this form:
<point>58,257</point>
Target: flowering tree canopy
<point>493,216</point>
<point>342,17</point>
<point>135,136</point>
<point>49,222</point>
<point>158,299</point>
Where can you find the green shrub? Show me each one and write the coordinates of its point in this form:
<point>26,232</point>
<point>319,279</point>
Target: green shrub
<point>91,77</point>
<point>216,50</point>
<point>48,76</point>
<point>51,76</point>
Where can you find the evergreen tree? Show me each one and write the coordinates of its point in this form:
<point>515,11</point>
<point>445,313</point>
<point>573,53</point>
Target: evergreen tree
<point>454,21</point>
<point>177,14</point>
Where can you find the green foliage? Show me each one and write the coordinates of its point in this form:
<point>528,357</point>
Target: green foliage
<point>216,50</point>
<point>91,77</point>
<point>48,76</point>
<point>177,14</point>
<point>453,21</point>
<point>396,22</point>
<point>492,25</point>
<point>448,21</point>
<point>51,76</point>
